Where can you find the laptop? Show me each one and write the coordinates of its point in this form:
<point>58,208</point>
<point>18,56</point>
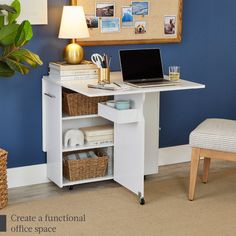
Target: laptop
<point>143,68</point>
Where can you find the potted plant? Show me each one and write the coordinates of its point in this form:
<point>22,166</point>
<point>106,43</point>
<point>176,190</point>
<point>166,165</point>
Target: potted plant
<point>13,37</point>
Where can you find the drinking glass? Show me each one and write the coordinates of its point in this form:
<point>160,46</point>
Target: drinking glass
<point>174,73</point>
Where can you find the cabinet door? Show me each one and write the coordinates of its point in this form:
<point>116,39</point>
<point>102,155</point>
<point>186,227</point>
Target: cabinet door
<point>53,131</point>
<point>129,149</point>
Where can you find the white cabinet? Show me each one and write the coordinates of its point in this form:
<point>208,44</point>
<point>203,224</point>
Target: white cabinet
<point>54,126</point>
<point>136,131</point>
<point>130,146</point>
<point>129,136</point>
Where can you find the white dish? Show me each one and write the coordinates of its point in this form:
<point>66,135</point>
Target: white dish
<point>110,103</point>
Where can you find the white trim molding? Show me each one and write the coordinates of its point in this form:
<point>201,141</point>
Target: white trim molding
<point>174,155</point>
<point>37,174</point>
<point>27,175</point>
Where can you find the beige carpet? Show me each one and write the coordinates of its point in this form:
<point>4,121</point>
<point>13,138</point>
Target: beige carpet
<point>114,211</point>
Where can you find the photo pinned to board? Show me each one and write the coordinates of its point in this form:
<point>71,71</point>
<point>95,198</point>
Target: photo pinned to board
<point>170,25</point>
<point>140,8</point>
<point>105,9</point>
<point>92,21</point>
<point>140,27</point>
<point>127,17</point>
<point>110,25</point>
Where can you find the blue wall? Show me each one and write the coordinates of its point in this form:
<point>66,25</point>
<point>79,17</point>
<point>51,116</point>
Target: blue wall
<point>206,55</point>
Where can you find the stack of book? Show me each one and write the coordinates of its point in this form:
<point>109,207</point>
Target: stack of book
<point>63,71</point>
<point>96,135</point>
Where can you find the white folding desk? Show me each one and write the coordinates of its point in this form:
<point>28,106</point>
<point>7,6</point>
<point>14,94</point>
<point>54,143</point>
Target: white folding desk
<point>136,131</point>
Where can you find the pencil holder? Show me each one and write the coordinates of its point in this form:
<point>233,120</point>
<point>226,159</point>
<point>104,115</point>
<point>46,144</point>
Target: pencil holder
<point>104,75</point>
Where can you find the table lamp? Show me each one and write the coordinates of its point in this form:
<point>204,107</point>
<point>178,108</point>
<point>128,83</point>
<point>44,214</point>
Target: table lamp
<point>73,26</point>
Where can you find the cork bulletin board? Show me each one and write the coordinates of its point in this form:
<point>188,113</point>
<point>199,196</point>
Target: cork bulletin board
<point>118,22</point>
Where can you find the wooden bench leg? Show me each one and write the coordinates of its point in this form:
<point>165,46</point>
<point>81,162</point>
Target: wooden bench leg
<point>206,166</point>
<point>193,172</point>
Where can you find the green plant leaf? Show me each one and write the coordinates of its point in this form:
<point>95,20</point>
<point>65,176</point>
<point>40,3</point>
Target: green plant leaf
<point>1,20</point>
<point>24,55</point>
<point>8,49</point>
<point>5,70</point>
<point>17,66</point>
<point>13,16</point>
<point>24,33</point>
<point>34,57</point>
<point>8,34</point>
<point>7,8</point>
<point>13,36</point>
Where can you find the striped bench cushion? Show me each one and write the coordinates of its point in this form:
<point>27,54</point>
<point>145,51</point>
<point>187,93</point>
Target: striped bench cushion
<point>215,134</point>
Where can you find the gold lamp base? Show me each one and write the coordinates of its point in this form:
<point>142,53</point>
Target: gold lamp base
<point>73,53</point>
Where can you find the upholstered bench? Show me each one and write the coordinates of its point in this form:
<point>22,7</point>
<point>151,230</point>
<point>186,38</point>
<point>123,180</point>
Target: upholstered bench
<point>213,138</point>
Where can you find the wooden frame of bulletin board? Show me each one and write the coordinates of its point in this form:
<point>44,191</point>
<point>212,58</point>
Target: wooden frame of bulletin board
<point>148,22</point>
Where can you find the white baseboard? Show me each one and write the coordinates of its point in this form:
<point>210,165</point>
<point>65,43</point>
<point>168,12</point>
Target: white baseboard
<point>27,175</point>
<point>174,155</point>
<point>37,174</point>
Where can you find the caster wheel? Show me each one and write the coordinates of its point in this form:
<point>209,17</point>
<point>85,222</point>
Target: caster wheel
<point>71,188</point>
<point>141,201</point>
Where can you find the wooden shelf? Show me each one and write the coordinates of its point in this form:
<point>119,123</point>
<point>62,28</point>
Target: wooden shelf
<point>66,182</point>
<point>86,146</point>
<point>66,117</point>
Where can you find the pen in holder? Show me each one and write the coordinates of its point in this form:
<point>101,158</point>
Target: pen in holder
<point>104,75</point>
<point>103,64</point>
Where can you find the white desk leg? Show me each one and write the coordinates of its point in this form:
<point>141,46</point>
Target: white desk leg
<point>151,115</point>
<point>129,150</point>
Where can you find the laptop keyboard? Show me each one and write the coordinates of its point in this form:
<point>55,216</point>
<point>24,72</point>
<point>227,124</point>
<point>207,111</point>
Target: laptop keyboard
<point>164,82</point>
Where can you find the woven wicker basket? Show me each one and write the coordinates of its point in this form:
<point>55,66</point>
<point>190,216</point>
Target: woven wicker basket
<point>85,168</point>
<point>3,179</point>
<point>75,104</point>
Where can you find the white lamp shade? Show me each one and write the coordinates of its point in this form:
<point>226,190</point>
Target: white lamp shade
<point>73,23</point>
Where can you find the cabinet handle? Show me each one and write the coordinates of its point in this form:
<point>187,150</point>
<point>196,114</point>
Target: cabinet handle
<point>49,95</point>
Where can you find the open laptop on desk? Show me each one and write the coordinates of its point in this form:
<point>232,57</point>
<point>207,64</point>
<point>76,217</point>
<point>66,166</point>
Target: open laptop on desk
<point>143,68</point>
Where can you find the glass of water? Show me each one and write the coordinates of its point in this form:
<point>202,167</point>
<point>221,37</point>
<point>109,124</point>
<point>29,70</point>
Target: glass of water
<point>174,73</point>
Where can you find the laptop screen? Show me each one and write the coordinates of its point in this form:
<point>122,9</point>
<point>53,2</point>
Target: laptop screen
<point>141,65</point>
